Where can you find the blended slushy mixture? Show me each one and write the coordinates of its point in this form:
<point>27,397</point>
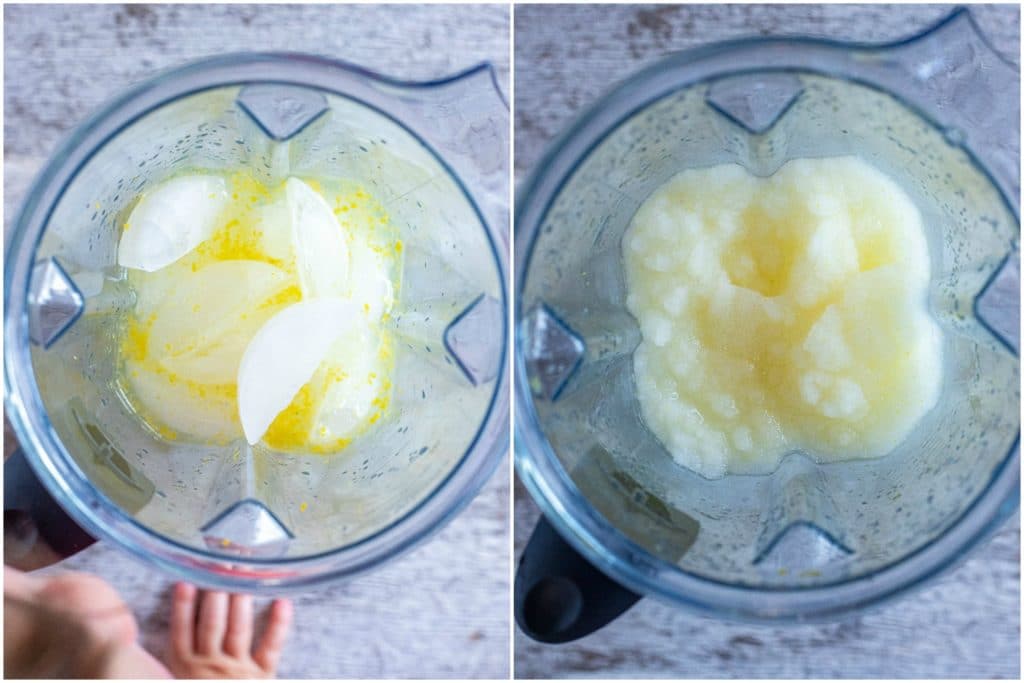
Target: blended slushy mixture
<point>780,314</point>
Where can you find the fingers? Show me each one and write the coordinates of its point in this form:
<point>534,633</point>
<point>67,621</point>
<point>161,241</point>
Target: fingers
<point>183,620</point>
<point>213,621</point>
<point>268,653</point>
<point>238,640</point>
<point>216,627</point>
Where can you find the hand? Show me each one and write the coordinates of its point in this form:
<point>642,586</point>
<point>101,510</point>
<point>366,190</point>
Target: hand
<point>218,642</point>
<point>70,626</point>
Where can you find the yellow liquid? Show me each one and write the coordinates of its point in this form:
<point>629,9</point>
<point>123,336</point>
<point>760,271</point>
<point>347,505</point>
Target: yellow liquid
<point>779,314</point>
<point>181,344</point>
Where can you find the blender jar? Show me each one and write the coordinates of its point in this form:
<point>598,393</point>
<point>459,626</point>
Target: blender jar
<point>434,155</point>
<point>938,113</point>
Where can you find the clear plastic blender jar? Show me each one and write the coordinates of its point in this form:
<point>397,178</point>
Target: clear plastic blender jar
<point>939,113</point>
<point>241,518</point>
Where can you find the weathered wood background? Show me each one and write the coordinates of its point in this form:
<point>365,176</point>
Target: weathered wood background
<point>440,611</point>
<point>965,625</point>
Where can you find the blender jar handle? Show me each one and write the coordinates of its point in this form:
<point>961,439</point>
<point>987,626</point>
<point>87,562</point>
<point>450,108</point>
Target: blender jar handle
<point>25,495</point>
<point>559,595</point>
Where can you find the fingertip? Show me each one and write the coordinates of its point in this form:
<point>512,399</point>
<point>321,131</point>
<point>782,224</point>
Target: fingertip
<point>240,598</point>
<point>184,591</point>
<point>283,609</point>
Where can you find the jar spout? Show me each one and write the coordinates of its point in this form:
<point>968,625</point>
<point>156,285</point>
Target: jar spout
<point>952,69</point>
<point>466,118</point>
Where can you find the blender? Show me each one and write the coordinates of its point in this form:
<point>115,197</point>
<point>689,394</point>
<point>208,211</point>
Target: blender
<point>939,113</point>
<point>230,516</point>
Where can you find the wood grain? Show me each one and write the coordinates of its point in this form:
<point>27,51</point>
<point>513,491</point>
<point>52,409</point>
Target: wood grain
<point>442,610</point>
<point>967,623</point>
<point>62,61</point>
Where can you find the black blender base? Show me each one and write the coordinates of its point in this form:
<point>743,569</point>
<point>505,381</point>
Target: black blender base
<point>34,524</point>
<point>559,595</point>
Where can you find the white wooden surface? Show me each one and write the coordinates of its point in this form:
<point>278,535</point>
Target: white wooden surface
<point>440,611</point>
<point>967,624</point>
